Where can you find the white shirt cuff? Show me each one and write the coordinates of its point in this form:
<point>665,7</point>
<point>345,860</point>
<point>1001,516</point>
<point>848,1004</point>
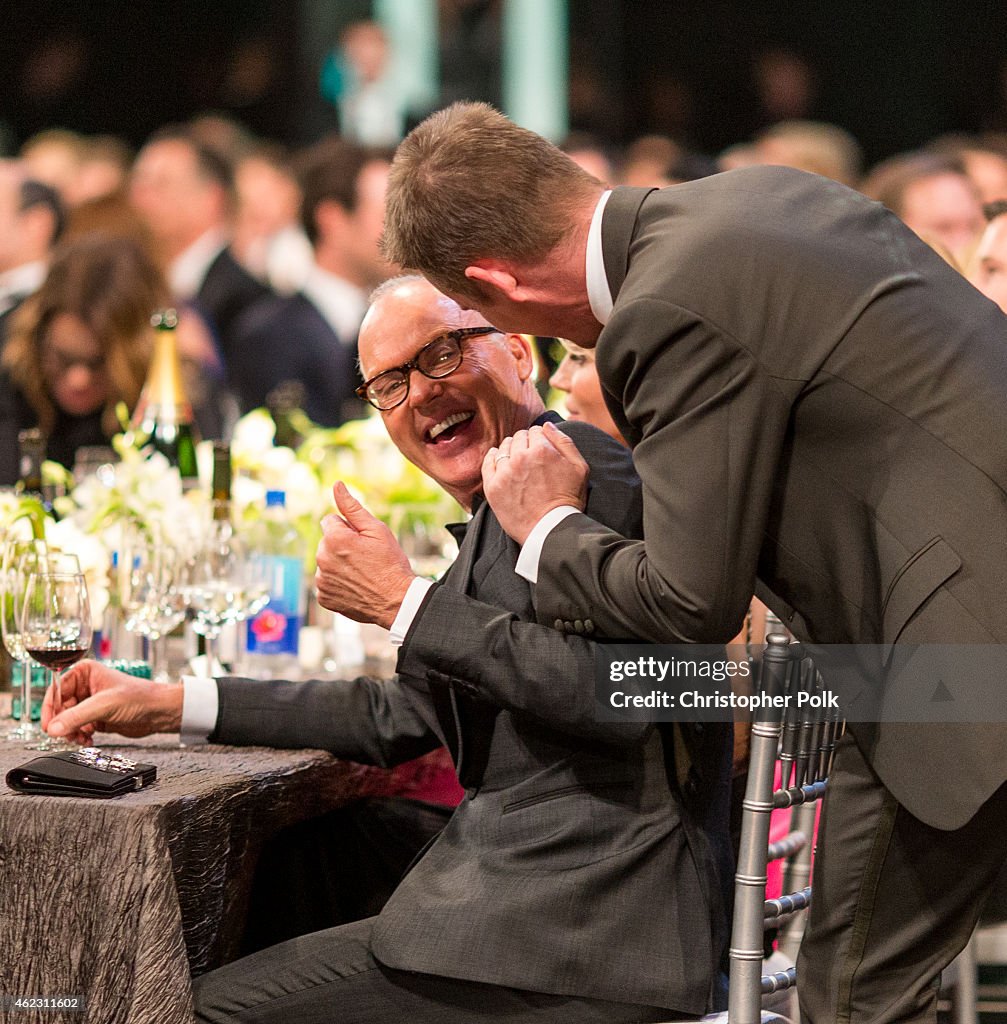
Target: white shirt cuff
<point>531,551</point>
<point>199,708</point>
<point>407,612</point>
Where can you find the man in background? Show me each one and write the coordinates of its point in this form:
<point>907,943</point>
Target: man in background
<point>184,193</point>
<point>31,222</point>
<point>311,337</point>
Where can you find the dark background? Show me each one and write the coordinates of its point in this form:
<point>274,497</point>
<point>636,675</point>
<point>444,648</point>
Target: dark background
<point>894,73</point>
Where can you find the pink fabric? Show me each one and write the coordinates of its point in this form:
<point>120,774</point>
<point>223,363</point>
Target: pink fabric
<point>779,826</point>
<point>431,778</point>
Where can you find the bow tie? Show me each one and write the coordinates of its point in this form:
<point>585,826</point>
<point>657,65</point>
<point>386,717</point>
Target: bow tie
<point>458,531</point>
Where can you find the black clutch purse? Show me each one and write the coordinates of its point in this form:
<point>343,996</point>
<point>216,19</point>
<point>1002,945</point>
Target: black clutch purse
<point>87,772</point>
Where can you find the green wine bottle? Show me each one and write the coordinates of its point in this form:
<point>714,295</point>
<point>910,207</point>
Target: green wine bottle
<point>220,493</point>
<point>163,412</point>
<point>31,450</point>
<point>31,454</point>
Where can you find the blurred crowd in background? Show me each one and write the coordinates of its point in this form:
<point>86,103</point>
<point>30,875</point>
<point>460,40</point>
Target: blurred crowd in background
<point>271,250</point>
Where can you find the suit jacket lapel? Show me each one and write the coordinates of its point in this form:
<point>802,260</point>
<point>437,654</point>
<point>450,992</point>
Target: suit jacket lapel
<point>459,716</point>
<point>618,223</point>
<point>460,576</point>
<point>443,696</point>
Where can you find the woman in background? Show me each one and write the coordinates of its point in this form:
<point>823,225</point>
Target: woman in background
<point>77,347</point>
<point>577,376</point>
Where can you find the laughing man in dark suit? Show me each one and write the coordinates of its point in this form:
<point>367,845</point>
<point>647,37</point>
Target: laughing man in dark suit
<point>571,883</point>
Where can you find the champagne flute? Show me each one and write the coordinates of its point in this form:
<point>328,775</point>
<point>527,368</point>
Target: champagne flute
<point>56,631</point>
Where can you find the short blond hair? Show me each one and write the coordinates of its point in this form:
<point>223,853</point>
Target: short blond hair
<point>467,184</point>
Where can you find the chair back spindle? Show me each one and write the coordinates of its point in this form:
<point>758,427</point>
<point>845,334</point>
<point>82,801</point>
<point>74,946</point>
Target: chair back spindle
<point>746,950</point>
<point>802,738</point>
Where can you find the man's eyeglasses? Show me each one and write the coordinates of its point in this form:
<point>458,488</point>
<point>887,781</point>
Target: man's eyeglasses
<point>437,359</point>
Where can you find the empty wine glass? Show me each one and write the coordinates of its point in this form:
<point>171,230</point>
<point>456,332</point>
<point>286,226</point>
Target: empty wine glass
<point>56,631</point>
<point>258,581</point>
<point>151,591</point>
<point>427,548</point>
<point>216,586</point>
<point>11,592</point>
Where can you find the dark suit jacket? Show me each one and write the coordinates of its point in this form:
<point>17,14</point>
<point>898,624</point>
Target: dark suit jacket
<point>816,398</point>
<point>287,338</point>
<point>569,866</point>
<point>226,292</point>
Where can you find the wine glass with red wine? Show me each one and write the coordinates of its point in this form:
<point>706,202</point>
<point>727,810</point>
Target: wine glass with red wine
<point>56,631</point>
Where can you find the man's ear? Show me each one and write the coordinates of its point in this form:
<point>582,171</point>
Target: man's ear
<point>520,346</point>
<point>494,275</point>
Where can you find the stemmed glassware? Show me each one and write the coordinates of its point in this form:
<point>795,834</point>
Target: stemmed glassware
<point>223,586</point>
<point>426,549</point>
<point>151,590</point>
<point>11,592</point>
<point>257,582</point>
<point>55,626</point>
<point>20,560</point>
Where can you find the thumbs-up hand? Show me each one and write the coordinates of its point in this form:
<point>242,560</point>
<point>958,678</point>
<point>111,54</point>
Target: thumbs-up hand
<point>361,570</point>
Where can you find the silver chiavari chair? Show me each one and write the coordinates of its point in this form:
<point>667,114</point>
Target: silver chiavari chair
<point>801,738</point>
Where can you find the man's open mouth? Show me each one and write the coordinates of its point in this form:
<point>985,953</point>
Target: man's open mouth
<point>448,427</point>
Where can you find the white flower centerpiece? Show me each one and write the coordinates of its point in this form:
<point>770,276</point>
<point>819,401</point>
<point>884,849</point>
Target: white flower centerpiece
<point>23,517</point>
<point>143,490</point>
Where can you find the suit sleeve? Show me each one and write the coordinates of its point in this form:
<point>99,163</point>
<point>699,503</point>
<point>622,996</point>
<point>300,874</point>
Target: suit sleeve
<point>488,651</point>
<point>712,424</point>
<point>362,719</point>
<point>492,655</point>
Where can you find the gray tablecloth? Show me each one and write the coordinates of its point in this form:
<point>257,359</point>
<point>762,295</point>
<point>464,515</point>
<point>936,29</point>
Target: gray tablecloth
<point>116,901</point>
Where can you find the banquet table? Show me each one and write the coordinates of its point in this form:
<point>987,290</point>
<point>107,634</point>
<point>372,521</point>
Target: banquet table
<point>115,902</point>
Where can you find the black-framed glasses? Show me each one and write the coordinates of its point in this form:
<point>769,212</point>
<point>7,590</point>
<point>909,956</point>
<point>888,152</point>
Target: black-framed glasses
<point>436,359</point>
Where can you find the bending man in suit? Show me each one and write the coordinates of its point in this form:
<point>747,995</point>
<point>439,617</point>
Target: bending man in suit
<point>570,884</point>
<point>817,405</point>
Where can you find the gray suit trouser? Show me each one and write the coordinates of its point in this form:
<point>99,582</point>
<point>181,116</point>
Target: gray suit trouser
<point>331,977</point>
<point>895,900</point>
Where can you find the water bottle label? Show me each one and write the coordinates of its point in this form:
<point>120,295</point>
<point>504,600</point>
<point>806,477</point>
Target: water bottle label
<point>39,681</point>
<point>274,629</point>
<point>36,709</point>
